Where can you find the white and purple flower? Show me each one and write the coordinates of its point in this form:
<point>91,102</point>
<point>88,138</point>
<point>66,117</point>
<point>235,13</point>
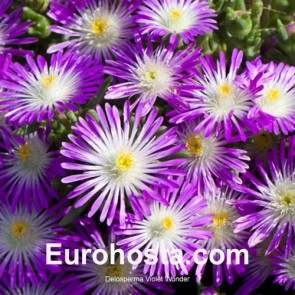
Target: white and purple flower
<point>184,18</point>
<point>275,105</point>
<point>94,27</point>
<point>34,92</point>
<point>28,167</point>
<point>210,158</point>
<point>224,101</point>
<point>118,159</point>
<point>272,198</point>
<point>95,278</point>
<point>168,227</point>
<point>224,238</point>
<point>149,73</point>
<point>23,237</point>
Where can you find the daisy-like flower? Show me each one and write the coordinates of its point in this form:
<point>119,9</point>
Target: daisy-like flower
<point>210,157</point>
<point>11,29</point>
<point>56,285</point>
<point>275,106</point>
<point>94,277</point>
<point>23,238</point>
<point>272,197</point>
<point>95,27</point>
<point>118,159</point>
<point>167,228</point>
<point>28,167</point>
<point>152,73</point>
<point>284,269</point>
<point>224,102</point>
<point>223,238</point>
<point>35,93</point>
<point>186,18</point>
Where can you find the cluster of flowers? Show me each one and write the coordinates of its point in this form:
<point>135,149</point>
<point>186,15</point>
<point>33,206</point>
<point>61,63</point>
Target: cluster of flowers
<point>215,171</point>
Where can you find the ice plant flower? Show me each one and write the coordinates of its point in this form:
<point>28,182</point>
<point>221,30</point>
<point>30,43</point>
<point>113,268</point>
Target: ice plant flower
<point>23,238</point>
<point>272,197</point>
<point>275,106</point>
<point>95,278</point>
<point>167,228</point>
<point>210,157</point>
<point>224,102</point>
<point>11,30</point>
<point>117,160</point>
<point>56,285</point>
<point>35,92</point>
<point>223,238</point>
<point>184,18</point>
<point>95,27</point>
<point>284,269</point>
<point>28,167</point>
<point>149,73</point>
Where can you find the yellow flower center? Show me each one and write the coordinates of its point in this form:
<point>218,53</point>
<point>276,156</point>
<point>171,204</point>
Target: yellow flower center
<point>287,199</point>
<point>194,145</point>
<point>175,13</point>
<point>219,219</point>
<point>124,161</point>
<point>225,89</point>
<point>48,80</point>
<point>167,223</point>
<point>19,228</point>
<point>99,27</point>
<point>262,141</point>
<point>114,270</point>
<point>273,94</point>
<point>24,152</point>
<point>149,75</point>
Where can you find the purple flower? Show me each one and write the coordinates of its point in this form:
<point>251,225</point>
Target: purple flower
<point>284,269</point>
<point>168,227</point>
<point>11,29</point>
<point>27,169</point>
<point>152,73</point>
<point>23,238</point>
<point>95,277</point>
<point>272,198</point>
<point>35,92</point>
<point>118,158</point>
<point>223,238</point>
<point>95,27</point>
<point>224,102</point>
<point>274,107</point>
<point>210,157</point>
<point>186,18</point>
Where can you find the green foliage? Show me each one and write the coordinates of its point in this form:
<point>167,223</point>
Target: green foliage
<point>258,27</point>
<point>40,26</point>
